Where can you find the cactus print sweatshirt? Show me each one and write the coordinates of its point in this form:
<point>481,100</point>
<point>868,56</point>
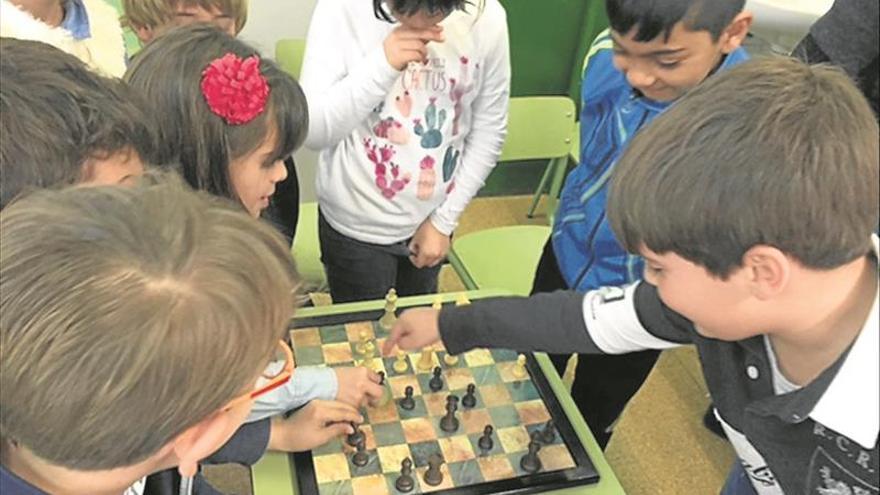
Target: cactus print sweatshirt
<point>399,147</point>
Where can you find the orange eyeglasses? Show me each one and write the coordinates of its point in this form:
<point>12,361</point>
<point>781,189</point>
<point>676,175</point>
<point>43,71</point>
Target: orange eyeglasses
<point>274,374</point>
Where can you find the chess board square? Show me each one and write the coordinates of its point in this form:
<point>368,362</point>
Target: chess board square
<point>399,383</point>
<point>383,414</point>
<point>370,485</point>
<point>485,375</point>
<point>495,395</point>
<point>447,479</point>
<point>424,378</point>
<point>337,353</point>
<point>496,467</point>
<point>305,337</point>
<point>478,357</point>
<point>508,373</point>
<point>355,330</point>
<point>419,411</point>
<point>334,446</point>
<point>309,356</point>
<point>391,456</point>
<point>336,487</point>
<point>465,473</point>
<point>456,449</point>
<point>523,391</point>
<point>474,420</point>
<point>333,467</point>
<point>555,457</point>
<point>513,439</point>
<point>333,334</point>
<point>388,433</point>
<point>372,466</point>
<point>422,451</point>
<point>502,355</point>
<point>504,416</point>
<point>436,403</point>
<point>389,366</point>
<point>531,412</point>
<point>474,439</point>
<point>418,430</point>
<point>458,379</point>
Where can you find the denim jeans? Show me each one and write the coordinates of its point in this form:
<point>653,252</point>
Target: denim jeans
<point>738,482</point>
<point>359,271</point>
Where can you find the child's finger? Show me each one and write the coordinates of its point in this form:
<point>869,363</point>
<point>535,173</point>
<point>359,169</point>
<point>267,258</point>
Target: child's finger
<point>337,430</point>
<point>373,391</point>
<point>392,339</point>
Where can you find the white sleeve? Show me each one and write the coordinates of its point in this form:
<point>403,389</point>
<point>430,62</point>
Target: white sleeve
<point>488,129</point>
<point>613,324</point>
<point>339,97</point>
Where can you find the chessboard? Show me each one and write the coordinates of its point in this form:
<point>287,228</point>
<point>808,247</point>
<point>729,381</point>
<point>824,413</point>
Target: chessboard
<point>498,399</point>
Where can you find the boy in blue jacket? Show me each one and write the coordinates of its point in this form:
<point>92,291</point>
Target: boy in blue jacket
<point>653,54</point>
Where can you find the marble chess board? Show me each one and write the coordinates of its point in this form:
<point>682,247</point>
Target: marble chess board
<point>515,404</point>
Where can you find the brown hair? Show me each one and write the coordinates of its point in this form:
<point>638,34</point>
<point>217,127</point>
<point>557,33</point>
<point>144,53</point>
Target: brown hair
<point>168,72</point>
<point>130,314</point>
<point>772,152</point>
<point>155,13</point>
<point>55,114</point>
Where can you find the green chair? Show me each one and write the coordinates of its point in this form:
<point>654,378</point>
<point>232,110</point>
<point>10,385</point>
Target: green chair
<point>306,249</point>
<point>289,55</point>
<point>541,127</point>
<point>499,258</point>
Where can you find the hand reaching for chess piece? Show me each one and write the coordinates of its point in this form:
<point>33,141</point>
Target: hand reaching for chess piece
<point>312,426</point>
<point>415,329</point>
<point>357,385</point>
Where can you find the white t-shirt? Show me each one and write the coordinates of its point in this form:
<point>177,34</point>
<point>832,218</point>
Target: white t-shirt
<point>398,147</point>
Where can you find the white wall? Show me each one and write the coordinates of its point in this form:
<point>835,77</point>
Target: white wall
<point>268,22</point>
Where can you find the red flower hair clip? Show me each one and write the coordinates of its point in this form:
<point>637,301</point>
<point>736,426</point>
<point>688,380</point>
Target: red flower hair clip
<point>234,88</point>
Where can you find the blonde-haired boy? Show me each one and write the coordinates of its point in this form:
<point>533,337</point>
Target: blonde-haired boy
<point>150,18</point>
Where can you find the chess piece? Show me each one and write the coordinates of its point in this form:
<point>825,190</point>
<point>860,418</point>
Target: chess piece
<point>519,369</point>
<point>548,434</point>
<point>405,482</point>
<point>381,378</point>
<point>450,359</point>
<point>356,436</point>
<point>469,400</point>
<point>449,423</point>
<point>359,348</point>
<point>433,476</point>
<point>530,462</point>
<point>369,349</point>
<point>485,442</point>
<point>426,361</point>
<point>386,391</point>
<point>400,365</point>
<point>390,316</point>
<point>436,382</point>
<point>462,299</point>
<point>438,302</point>
<point>360,457</point>
<point>407,402</point>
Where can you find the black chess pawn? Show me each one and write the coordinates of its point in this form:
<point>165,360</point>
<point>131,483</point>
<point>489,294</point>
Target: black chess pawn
<point>530,462</point>
<point>449,423</point>
<point>405,482</point>
<point>433,475</point>
<point>548,433</point>
<point>407,402</point>
<point>356,436</point>
<point>469,400</point>
<point>381,378</point>
<point>436,382</point>
<point>360,457</point>
<point>485,442</point>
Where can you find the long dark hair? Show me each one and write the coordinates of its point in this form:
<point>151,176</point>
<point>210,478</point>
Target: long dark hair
<point>410,7</point>
<point>168,73</point>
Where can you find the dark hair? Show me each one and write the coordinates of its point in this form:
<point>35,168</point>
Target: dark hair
<point>772,152</point>
<point>653,17</point>
<point>168,72</point>
<point>56,113</point>
<point>410,7</point>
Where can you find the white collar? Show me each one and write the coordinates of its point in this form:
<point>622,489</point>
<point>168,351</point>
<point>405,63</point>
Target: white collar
<point>851,403</point>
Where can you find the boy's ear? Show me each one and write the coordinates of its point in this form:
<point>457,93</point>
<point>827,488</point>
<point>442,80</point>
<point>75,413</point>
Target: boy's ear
<point>735,33</point>
<point>768,269</point>
<point>145,34</point>
<point>203,439</point>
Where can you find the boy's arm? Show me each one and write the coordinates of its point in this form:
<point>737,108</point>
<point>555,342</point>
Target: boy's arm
<point>482,146</point>
<point>306,384</point>
<point>340,98</point>
<point>605,321</point>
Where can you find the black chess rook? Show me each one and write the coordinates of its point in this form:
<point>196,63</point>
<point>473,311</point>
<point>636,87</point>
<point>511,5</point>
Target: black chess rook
<point>449,423</point>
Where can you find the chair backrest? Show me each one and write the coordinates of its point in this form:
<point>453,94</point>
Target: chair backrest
<point>289,55</point>
<point>538,127</point>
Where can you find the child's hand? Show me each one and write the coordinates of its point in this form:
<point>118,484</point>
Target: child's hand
<point>414,329</point>
<point>404,45</point>
<point>428,246</point>
<point>357,385</point>
<point>315,424</point>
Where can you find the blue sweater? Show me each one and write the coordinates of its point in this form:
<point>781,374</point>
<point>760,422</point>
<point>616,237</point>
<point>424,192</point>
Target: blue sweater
<point>587,251</point>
